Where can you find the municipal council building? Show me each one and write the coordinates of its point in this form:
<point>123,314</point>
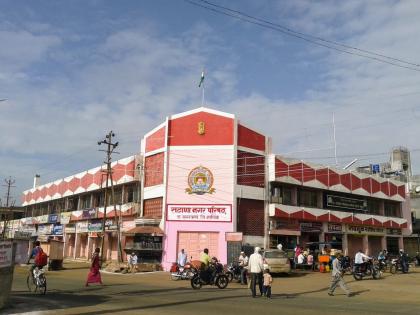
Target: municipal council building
<point>203,179</point>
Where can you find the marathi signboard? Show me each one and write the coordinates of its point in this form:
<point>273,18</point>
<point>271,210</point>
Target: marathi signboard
<point>22,235</point>
<point>311,227</point>
<point>57,229</point>
<point>6,248</point>
<point>334,201</point>
<point>95,226</point>
<point>82,227</point>
<point>45,229</point>
<point>206,213</point>
<point>393,231</point>
<point>365,230</point>
<point>89,214</point>
<point>110,224</point>
<point>70,228</point>
<point>65,217</point>
<point>334,227</point>
<point>41,219</point>
<point>53,218</point>
<point>285,224</point>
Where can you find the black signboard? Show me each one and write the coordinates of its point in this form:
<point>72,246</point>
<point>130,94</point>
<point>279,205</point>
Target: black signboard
<point>334,201</point>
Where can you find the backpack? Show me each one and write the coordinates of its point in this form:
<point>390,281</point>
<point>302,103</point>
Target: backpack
<point>41,259</point>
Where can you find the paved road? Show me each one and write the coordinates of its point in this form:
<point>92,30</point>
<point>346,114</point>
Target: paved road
<point>155,293</point>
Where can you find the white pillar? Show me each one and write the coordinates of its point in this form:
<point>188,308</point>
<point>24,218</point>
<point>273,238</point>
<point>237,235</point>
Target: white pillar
<point>345,244</point>
<point>366,244</point>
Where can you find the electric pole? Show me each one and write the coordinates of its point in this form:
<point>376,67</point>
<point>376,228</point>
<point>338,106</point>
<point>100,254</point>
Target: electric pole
<point>9,204</point>
<point>108,175</point>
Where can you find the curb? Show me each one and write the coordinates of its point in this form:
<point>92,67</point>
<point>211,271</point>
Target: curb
<point>130,274</point>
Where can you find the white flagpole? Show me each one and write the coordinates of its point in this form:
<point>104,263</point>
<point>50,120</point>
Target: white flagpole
<point>202,98</point>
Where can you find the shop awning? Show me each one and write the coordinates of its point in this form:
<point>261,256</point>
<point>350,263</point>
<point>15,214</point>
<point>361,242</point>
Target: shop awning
<point>150,230</point>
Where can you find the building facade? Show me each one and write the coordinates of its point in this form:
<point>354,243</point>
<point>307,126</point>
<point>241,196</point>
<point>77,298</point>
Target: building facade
<point>206,180</point>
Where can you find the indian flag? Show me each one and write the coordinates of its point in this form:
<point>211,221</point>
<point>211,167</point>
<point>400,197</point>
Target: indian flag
<point>201,79</point>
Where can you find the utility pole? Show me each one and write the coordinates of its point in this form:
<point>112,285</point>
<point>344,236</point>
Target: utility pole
<point>9,204</point>
<point>108,175</point>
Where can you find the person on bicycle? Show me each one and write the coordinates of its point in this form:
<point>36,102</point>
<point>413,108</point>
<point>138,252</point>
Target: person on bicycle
<point>37,248</point>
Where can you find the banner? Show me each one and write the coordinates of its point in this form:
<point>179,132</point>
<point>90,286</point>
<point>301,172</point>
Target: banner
<point>70,228</point>
<point>89,214</point>
<point>203,213</point>
<point>6,248</point>
<point>57,229</point>
<point>95,226</point>
<point>65,217</point>
<point>53,218</point>
<point>82,227</point>
<point>45,229</point>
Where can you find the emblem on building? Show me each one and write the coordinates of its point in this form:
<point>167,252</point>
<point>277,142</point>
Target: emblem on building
<point>201,128</point>
<point>200,181</point>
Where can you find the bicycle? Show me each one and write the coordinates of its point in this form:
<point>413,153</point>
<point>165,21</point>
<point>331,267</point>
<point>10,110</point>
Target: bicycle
<point>36,280</point>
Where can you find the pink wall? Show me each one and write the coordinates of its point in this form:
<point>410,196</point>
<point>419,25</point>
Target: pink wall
<point>221,162</point>
<point>170,241</point>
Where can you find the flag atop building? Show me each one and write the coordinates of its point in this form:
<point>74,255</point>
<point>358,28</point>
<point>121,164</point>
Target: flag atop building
<point>201,79</point>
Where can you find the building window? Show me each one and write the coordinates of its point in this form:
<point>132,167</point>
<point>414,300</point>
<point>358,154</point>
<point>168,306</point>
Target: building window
<point>392,209</point>
<point>85,202</point>
<point>374,206</point>
<point>307,198</point>
<point>133,193</point>
<point>281,195</point>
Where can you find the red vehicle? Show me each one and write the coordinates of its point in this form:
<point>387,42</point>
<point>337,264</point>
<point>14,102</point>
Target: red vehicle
<point>184,273</point>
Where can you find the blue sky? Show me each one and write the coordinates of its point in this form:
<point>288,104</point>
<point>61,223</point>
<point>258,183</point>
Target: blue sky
<point>73,70</point>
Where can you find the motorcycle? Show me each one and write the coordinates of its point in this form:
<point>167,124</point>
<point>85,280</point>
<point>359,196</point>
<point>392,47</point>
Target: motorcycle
<point>346,265</point>
<point>368,268</point>
<point>396,265</point>
<point>233,272</point>
<point>184,273</point>
<point>213,275</point>
<point>383,265</point>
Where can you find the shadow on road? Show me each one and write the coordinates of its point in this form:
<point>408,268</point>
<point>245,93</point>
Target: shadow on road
<point>30,302</point>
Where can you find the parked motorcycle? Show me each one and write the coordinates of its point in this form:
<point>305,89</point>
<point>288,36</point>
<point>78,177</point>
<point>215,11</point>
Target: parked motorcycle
<point>233,272</point>
<point>184,273</point>
<point>367,269</point>
<point>396,265</point>
<point>213,275</point>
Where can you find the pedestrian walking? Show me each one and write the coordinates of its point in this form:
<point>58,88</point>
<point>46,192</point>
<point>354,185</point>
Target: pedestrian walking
<point>268,280</point>
<point>256,267</point>
<point>182,258</point>
<point>132,262</point>
<point>337,277</point>
<point>94,275</point>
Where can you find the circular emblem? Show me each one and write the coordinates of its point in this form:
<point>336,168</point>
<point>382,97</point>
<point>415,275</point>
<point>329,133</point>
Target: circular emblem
<point>200,181</point>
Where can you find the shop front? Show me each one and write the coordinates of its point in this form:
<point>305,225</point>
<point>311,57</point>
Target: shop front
<point>81,242</point>
<point>310,233</point>
<point>146,242</point>
<point>334,236</point>
<point>69,240</point>
<point>369,239</point>
<point>285,232</point>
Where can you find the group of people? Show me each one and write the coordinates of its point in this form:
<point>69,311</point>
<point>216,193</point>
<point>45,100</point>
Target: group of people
<point>303,257</point>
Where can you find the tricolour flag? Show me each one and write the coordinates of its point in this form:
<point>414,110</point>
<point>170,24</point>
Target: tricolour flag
<point>201,79</point>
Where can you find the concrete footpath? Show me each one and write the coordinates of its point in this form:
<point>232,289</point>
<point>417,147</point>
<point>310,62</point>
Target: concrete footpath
<point>154,293</point>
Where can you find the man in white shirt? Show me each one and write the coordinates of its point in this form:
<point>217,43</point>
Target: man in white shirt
<point>301,258</point>
<point>359,261</point>
<point>243,264</point>
<point>360,258</point>
<point>256,268</point>
<point>182,258</point>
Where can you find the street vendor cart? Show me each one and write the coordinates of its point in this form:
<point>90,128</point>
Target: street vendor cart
<point>56,255</point>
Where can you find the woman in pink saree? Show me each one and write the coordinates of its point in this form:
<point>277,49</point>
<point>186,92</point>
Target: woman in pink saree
<point>94,275</point>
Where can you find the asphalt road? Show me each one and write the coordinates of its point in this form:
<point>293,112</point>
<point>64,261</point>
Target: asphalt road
<point>155,293</point>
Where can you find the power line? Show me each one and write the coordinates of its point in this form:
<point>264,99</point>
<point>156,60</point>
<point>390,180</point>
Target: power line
<point>306,37</point>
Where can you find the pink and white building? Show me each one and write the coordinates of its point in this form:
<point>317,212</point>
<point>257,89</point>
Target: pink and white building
<point>206,180</point>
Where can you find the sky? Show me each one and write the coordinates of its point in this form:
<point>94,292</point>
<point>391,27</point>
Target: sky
<point>71,71</point>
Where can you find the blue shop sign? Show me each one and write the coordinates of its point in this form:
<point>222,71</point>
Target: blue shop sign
<point>58,229</point>
<point>53,218</point>
<point>95,226</point>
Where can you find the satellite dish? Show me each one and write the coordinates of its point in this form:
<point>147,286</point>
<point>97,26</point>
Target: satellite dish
<point>417,189</point>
